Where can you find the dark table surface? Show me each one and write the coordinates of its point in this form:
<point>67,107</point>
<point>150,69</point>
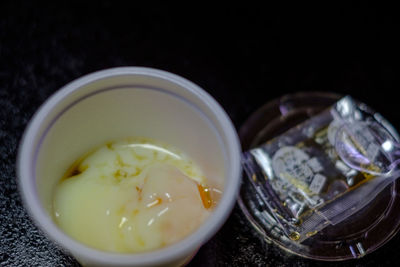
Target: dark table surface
<point>243,55</point>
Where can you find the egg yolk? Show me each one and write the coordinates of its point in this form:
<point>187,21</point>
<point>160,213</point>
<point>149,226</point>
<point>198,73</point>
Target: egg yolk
<point>132,196</point>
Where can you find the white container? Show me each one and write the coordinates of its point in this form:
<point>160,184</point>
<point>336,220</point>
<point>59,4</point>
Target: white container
<point>128,102</point>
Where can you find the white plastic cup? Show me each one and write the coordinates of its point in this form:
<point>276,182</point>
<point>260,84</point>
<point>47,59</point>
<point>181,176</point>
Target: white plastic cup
<point>128,102</point>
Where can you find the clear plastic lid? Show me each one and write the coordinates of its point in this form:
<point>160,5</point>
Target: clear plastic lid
<point>358,235</point>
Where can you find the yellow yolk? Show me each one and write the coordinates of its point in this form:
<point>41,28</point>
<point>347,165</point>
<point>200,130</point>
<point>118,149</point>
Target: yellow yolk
<point>132,196</point>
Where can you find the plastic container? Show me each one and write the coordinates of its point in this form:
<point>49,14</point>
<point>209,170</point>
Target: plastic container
<point>123,102</point>
<point>357,236</point>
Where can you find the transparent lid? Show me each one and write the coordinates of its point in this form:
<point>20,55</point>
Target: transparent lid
<point>355,237</point>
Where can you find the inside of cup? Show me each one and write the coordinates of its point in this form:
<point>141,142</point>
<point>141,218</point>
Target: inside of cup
<point>104,114</point>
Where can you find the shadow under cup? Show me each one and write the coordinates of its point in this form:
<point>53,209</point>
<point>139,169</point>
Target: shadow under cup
<point>115,104</point>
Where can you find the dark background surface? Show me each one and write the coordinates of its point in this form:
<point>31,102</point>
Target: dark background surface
<point>243,55</point>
